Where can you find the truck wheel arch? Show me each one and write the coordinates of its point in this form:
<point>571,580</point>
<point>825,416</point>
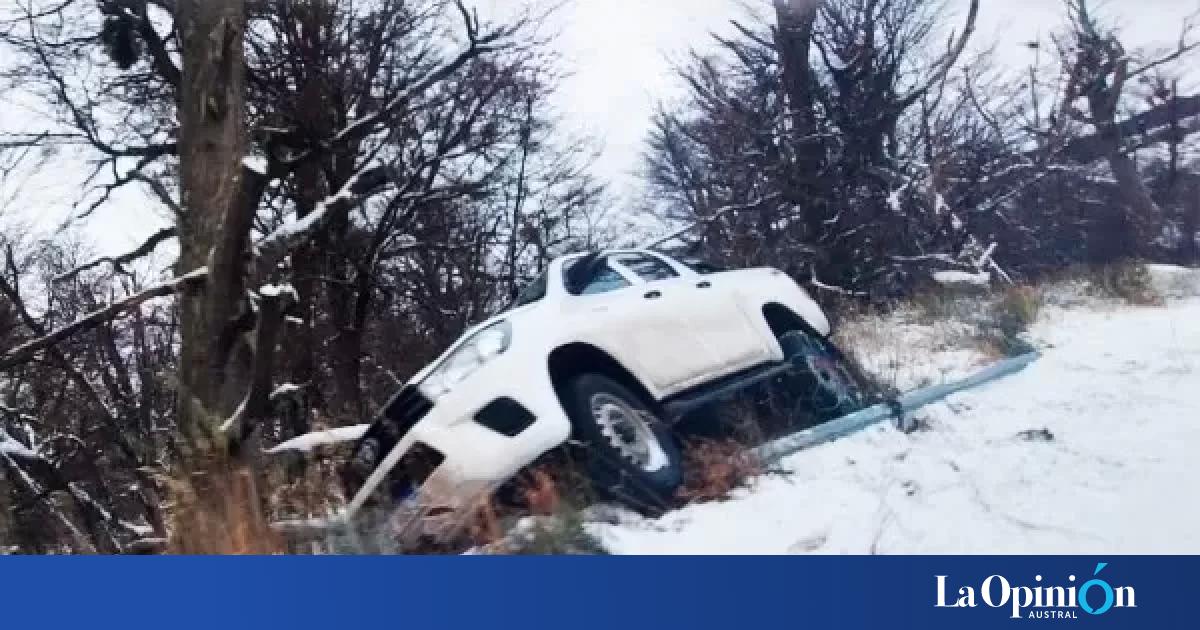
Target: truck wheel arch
<point>573,359</point>
<point>781,319</point>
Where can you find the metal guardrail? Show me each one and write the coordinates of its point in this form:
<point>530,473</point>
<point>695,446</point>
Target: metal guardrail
<point>851,423</point>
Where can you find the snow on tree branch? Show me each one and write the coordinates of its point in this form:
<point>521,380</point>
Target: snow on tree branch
<point>278,243</point>
<point>27,350</point>
<point>10,446</point>
<point>310,441</point>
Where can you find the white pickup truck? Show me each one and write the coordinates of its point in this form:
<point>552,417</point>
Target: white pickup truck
<point>606,349</point>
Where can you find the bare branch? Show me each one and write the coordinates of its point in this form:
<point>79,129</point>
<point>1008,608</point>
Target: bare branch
<point>477,45</point>
<point>118,262</point>
<point>942,66</point>
<point>717,214</point>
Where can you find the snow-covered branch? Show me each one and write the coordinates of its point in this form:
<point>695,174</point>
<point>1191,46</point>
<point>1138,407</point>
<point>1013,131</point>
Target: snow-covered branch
<point>835,289</point>
<point>310,441</point>
<point>10,446</point>
<point>277,244</point>
<point>27,350</point>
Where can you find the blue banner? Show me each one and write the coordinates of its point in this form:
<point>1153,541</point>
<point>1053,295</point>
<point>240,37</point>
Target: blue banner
<point>598,592</point>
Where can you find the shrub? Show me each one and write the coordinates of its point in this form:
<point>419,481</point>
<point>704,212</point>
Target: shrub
<point>561,534</point>
<point>935,305</point>
<point>1016,310</point>
<point>1009,316</point>
<point>1129,281</point>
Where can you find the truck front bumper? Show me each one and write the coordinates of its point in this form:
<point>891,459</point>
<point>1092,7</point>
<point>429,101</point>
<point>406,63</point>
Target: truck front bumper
<point>480,434</point>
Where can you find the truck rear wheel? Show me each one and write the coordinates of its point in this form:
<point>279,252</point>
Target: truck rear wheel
<point>630,453</point>
<point>826,382</point>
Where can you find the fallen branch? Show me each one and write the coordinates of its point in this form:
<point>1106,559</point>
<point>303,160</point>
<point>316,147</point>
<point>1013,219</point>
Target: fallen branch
<point>309,441</point>
<point>835,289</point>
<point>33,492</point>
<point>27,350</point>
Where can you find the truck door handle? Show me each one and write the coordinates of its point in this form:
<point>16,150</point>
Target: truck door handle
<point>653,295</point>
<point>704,285</point>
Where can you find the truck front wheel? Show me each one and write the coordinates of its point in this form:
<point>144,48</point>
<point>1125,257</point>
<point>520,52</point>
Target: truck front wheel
<point>630,453</point>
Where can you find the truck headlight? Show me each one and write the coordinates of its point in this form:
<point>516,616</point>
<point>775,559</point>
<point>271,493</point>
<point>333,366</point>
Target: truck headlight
<point>482,347</point>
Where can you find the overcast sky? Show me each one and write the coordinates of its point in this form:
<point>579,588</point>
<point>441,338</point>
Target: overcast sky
<point>619,53</point>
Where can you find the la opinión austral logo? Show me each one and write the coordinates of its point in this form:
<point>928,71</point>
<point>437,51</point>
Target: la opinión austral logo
<point>1039,601</point>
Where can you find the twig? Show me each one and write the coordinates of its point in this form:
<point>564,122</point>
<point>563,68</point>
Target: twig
<point>117,262</point>
<point>717,214</point>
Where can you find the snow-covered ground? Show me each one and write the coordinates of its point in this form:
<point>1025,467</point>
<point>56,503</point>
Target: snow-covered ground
<point>1091,449</point>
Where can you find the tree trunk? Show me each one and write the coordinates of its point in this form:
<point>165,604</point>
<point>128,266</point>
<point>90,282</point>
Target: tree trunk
<point>794,41</point>
<point>211,145</point>
<point>1141,213</point>
<point>308,264</point>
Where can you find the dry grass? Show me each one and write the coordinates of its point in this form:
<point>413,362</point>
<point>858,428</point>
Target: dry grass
<point>1016,309</point>
<point>1129,281</point>
<point>712,469</point>
<point>551,521</point>
<point>541,494</point>
<point>216,509</point>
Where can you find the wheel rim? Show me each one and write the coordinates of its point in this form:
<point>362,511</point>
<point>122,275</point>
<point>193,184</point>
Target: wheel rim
<point>628,432</point>
<point>830,373</point>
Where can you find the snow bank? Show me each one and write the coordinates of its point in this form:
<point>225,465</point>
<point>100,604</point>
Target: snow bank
<point>1175,282</point>
<point>1089,450</point>
<point>309,441</point>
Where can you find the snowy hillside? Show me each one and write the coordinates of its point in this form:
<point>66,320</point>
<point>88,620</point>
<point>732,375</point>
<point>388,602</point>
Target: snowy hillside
<point>1091,449</point>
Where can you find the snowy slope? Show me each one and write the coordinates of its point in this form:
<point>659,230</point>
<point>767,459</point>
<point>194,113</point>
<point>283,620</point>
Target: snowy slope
<point>1092,449</point>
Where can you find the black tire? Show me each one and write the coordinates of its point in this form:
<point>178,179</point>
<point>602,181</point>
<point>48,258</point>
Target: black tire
<point>823,379</point>
<point>617,467</point>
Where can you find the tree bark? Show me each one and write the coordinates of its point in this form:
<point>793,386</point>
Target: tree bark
<point>211,145</point>
<point>1141,212</point>
<point>793,38</point>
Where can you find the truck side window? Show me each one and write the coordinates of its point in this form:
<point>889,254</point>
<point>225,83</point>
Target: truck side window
<point>702,267</point>
<point>648,268</point>
<point>601,278</point>
<point>605,279</point>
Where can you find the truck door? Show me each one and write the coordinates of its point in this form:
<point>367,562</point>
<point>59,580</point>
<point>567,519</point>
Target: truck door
<point>727,322</point>
<point>637,312</point>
